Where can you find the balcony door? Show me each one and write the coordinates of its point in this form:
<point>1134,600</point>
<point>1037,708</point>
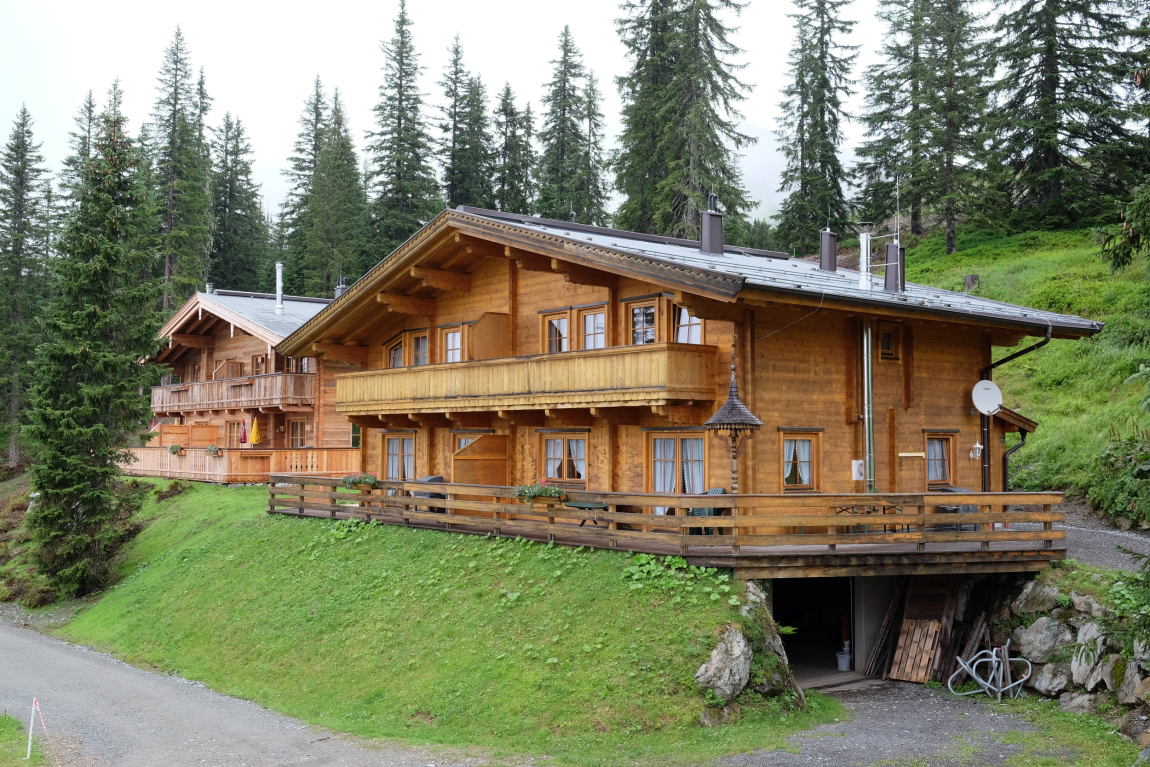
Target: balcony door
<point>678,465</point>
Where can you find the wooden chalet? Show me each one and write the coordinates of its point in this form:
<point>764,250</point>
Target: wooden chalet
<point>492,350</point>
<point>227,381</point>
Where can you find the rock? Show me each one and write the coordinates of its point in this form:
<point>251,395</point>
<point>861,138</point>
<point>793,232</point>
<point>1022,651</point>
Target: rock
<point>1142,653</point>
<point>1088,653</point>
<point>1086,604</point>
<point>1037,597</point>
<point>1017,634</point>
<point>713,717</point>
<point>729,668</point>
<point>1130,681</point>
<point>1078,702</point>
<point>1043,637</point>
<point>1142,691</point>
<point>1113,670</point>
<point>756,597</point>
<point>1035,670</point>
<point>1131,725</point>
<point>774,683</point>
<point>1143,757</point>
<point>1123,523</point>
<point>1052,679</point>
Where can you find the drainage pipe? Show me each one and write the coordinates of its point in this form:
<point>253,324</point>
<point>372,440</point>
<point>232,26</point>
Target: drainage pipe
<point>1006,462</point>
<point>868,400</point>
<point>985,420</point>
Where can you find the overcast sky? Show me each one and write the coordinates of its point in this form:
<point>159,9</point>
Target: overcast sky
<point>260,59</point>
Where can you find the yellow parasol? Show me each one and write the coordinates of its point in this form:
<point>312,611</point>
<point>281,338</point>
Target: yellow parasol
<point>254,437</point>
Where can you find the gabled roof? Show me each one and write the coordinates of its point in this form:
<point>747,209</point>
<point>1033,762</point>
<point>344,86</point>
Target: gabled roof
<point>254,313</point>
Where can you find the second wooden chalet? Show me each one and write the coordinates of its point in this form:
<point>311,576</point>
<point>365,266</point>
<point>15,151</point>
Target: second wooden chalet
<point>237,408</point>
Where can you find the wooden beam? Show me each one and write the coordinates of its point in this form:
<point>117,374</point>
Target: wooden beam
<point>199,342</point>
<point>571,416</point>
<point>618,416</point>
<point>430,419</point>
<point>443,280</point>
<point>424,307</point>
<point>682,415</point>
<point>523,417</point>
<point>710,309</point>
<point>531,262</point>
<point>340,352</point>
<point>581,275</point>
<point>478,420</point>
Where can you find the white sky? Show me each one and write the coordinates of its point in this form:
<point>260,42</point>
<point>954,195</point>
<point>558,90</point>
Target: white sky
<point>260,59</point>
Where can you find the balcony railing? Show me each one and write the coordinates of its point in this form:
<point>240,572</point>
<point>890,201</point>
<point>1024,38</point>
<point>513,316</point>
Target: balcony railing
<point>627,375</point>
<point>761,536</point>
<point>240,464</point>
<point>270,390</point>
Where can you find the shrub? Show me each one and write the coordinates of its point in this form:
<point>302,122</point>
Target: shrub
<point>351,480</point>
<point>1119,483</point>
<point>176,487</point>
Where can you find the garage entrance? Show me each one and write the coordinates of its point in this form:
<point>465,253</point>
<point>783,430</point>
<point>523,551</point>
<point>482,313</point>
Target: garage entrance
<point>820,611</point>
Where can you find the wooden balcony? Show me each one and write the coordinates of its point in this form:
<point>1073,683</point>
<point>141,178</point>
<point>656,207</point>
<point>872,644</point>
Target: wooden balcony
<point>234,465</point>
<point>273,390</point>
<point>621,376</point>
<point>759,536</point>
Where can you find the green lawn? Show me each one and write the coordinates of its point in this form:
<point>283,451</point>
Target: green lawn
<point>424,636</point>
<point>1074,389</point>
<point>14,744</point>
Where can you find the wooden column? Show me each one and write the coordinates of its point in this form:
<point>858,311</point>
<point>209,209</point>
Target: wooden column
<point>750,454</point>
<point>513,304</point>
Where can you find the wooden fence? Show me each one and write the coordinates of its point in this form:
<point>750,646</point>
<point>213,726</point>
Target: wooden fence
<point>233,465</point>
<point>747,525</point>
<point>268,390</point>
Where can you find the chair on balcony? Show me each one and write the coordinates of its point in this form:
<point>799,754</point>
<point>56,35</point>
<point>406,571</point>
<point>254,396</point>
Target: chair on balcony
<point>704,513</point>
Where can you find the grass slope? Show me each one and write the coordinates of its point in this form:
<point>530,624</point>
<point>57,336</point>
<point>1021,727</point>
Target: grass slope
<point>1074,389</point>
<point>428,636</point>
<point>14,744</point>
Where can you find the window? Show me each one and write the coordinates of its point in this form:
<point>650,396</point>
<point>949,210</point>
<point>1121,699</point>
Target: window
<point>643,323</point>
<point>401,458</point>
<point>565,459</point>
<point>594,328</point>
<point>462,442</point>
<point>798,463</point>
<point>299,364</point>
<point>453,345</point>
<point>356,435</point>
<point>688,329</point>
<point>195,375</point>
<point>889,341</point>
<point>678,466</point>
<point>259,365</point>
<point>938,460</point>
<point>419,350</point>
<point>297,434</point>
<point>233,433</point>
<point>395,356</point>
<point>557,334</point>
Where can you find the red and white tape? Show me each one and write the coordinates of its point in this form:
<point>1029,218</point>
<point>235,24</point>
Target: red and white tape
<point>32,725</point>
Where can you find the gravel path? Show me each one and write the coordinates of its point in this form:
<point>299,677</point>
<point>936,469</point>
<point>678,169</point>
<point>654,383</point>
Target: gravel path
<point>102,712</point>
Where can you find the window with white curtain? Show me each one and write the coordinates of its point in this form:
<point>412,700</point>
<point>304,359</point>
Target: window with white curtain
<point>688,329</point>
<point>401,458</point>
<point>565,459</point>
<point>938,459</point>
<point>798,463</point>
<point>678,466</point>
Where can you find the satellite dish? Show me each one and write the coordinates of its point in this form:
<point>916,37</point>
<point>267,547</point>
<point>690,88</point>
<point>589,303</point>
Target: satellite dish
<point>987,397</point>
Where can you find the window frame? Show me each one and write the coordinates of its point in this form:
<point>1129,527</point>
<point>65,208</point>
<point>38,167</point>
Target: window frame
<point>291,437</point>
<point>400,438</point>
<point>678,436</point>
<point>895,330</point>
<point>630,307</point>
<point>400,347</point>
<point>445,350</point>
<point>259,364</point>
<point>816,444</point>
<point>565,438</point>
<point>949,441</point>
<point>413,356</point>
<point>356,435</point>
<point>580,318</point>
<point>545,332</point>
<point>232,429</point>
<point>693,321</point>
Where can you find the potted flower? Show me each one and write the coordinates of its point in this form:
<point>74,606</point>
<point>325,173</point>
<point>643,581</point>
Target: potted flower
<point>362,481</point>
<point>176,449</point>
<point>212,450</point>
<point>539,489</point>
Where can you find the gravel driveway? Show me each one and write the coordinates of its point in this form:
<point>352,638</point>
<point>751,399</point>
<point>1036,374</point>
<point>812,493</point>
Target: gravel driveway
<point>101,712</point>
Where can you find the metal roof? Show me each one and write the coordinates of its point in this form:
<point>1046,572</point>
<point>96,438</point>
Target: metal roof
<point>778,272</point>
<point>260,308</point>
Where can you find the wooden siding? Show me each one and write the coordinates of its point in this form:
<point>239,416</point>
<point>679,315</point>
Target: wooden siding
<point>636,375</point>
<point>270,390</point>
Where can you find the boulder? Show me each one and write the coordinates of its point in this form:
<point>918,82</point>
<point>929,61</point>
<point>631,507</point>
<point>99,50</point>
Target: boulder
<point>1103,673</point>
<point>756,597</point>
<point>1085,603</point>
<point>1052,679</point>
<point>1035,670</point>
<point>1113,670</point>
<point>1123,523</point>
<point>713,717</point>
<point>1142,691</point>
<point>1078,702</point>
<point>1130,682</point>
<point>1017,634</point>
<point>774,682</point>
<point>1043,637</point>
<point>1143,757</point>
<point>1142,653</point>
<point>729,668</point>
<point>1088,653</point>
<point>1037,597</point>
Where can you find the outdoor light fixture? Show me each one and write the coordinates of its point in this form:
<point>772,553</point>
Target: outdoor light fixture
<point>976,451</point>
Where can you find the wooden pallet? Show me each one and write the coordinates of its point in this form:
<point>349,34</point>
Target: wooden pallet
<point>926,628</point>
<point>917,645</point>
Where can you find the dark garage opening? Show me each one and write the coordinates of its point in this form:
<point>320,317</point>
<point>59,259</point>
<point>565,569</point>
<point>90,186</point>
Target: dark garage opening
<point>819,609</point>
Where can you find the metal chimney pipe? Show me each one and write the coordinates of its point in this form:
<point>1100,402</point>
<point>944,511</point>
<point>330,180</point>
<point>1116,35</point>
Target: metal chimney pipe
<point>895,278</point>
<point>868,400</point>
<point>864,262</point>
<point>828,250</point>
<point>208,288</point>
<point>711,227</point>
<point>341,287</point>
<point>279,287</point>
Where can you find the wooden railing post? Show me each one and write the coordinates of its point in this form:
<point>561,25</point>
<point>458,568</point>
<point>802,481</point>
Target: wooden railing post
<point>1047,543</point>
<point>920,526</point>
<point>986,527</point>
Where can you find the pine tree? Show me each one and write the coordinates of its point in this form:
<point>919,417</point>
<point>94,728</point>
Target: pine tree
<point>80,143</point>
<point>896,117</point>
<point>336,242</point>
<point>99,326</point>
<point>478,155</point>
<point>642,164</point>
<point>956,100</point>
<point>24,226</point>
<point>454,83</point>
<point>810,128</point>
<point>562,133</point>
<point>404,192</point>
<point>590,194</point>
<point>241,239</point>
<point>194,198</point>
<point>1062,121</point>
<point>514,160</point>
<point>294,222</point>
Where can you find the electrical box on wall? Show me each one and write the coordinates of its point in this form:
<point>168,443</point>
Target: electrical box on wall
<point>858,471</point>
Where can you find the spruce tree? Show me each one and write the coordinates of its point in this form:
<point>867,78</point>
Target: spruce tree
<point>896,117</point>
<point>590,194</point>
<point>810,128</point>
<point>24,230</point>
<point>478,155</point>
<point>294,222</point>
<point>404,191</point>
<point>99,326</point>
<point>80,143</point>
<point>514,161</point>
<point>241,239</point>
<point>336,242</point>
<point>194,197</point>
<point>1062,118</point>
<point>562,133</point>
<point>454,83</point>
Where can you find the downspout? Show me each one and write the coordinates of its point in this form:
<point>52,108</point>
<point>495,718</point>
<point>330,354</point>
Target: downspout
<point>1006,462</point>
<point>865,283</point>
<point>985,376</point>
